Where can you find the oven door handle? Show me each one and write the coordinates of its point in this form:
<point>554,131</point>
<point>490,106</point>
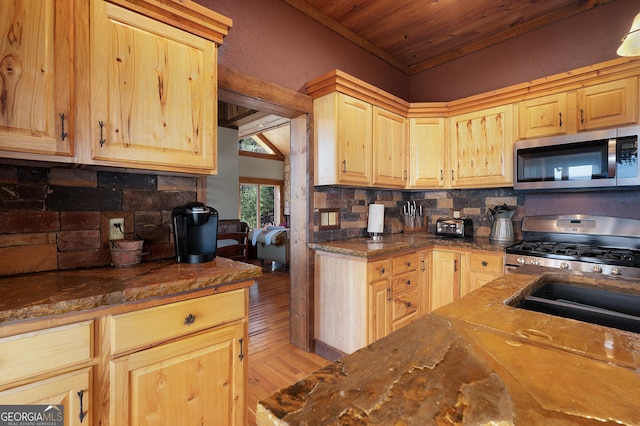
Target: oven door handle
<point>611,157</point>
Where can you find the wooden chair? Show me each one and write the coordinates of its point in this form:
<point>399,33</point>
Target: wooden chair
<point>233,239</point>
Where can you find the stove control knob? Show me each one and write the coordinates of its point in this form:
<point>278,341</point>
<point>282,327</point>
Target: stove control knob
<point>534,262</point>
<point>521,260</point>
<point>616,271</point>
<point>597,269</point>
<point>564,265</point>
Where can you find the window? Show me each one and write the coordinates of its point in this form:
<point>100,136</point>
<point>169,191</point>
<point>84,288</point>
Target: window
<point>260,202</point>
<point>252,145</point>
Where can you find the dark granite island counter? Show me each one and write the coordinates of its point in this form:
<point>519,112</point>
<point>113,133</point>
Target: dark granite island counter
<point>478,361</point>
<point>34,296</point>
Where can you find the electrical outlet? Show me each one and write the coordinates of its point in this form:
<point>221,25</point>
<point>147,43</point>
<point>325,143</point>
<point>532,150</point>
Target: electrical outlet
<point>116,228</point>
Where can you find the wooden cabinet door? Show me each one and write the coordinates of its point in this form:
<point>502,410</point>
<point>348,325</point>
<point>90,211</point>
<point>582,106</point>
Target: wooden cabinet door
<point>389,149</point>
<point>379,321</point>
<point>543,116</point>
<point>36,78</point>
<point>424,289</point>
<point>482,148</point>
<point>153,93</point>
<point>445,279</point>
<point>426,153</point>
<point>354,141</point>
<point>608,104</point>
<point>196,380</point>
<point>484,266</point>
<point>73,390</point>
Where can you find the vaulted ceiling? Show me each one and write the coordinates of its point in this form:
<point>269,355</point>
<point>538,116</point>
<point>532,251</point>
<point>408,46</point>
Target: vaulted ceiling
<point>416,35</point>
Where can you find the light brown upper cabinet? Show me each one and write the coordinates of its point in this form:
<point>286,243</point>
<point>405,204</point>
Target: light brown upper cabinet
<point>343,138</point>
<point>389,149</point>
<point>427,159</point>
<point>545,116</point>
<point>608,104</point>
<point>153,93</point>
<point>37,80</point>
<point>482,148</point>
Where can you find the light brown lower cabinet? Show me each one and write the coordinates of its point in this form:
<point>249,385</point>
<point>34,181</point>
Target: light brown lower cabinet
<point>72,390</point>
<point>458,272</point>
<point>358,301</point>
<point>182,362</point>
<point>446,269</point>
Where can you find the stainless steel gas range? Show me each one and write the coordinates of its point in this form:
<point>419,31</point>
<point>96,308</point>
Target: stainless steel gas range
<point>598,244</point>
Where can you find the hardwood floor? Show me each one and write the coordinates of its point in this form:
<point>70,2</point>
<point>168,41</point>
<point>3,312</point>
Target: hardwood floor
<point>274,363</point>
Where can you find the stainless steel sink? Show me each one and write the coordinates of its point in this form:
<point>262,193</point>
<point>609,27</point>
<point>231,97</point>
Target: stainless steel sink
<point>597,306</point>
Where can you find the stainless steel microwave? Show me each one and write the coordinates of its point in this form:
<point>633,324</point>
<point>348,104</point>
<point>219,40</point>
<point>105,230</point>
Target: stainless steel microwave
<point>594,159</point>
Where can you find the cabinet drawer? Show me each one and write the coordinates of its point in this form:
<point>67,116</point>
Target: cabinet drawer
<point>379,270</point>
<point>405,304</point>
<point>406,263</point>
<point>153,325</point>
<point>405,282</point>
<point>483,262</point>
<point>30,354</point>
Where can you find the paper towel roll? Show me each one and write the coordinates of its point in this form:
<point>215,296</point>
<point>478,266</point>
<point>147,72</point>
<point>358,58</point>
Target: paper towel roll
<point>376,218</point>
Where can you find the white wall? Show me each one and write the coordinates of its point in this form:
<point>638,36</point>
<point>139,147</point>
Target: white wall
<point>222,189</point>
<point>261,168</point>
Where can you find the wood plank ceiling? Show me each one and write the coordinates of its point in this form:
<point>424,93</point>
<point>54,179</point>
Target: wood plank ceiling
<point>416,35</point>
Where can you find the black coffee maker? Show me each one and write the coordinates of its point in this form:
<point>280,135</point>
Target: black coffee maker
<point>195,230</point>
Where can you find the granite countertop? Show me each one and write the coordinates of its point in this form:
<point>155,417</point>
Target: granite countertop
<point>365,247</point>
<point>478,361</point>
<point>32,296</point>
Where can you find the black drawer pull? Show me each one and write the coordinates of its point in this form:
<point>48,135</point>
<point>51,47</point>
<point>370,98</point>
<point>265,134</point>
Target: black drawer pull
<point>190,319</point>
<point>484,263</point>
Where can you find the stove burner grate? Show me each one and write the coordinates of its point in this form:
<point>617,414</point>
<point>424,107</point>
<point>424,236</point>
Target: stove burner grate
<point>573,251</point>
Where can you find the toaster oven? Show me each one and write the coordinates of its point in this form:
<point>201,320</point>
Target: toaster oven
<point>454,227</point>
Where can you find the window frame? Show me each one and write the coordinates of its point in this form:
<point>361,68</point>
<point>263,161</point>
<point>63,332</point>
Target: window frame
<point>278,194</point>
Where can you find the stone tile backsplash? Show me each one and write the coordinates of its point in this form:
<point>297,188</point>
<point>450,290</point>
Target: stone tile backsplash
<point>353,205</point>
<point>57,218</point>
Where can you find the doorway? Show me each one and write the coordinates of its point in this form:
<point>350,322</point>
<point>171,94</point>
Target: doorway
<point>243,90</point>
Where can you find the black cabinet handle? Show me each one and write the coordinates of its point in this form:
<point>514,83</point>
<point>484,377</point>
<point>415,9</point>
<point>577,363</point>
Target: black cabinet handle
<point>581,115</point>
<point>102,140</point>
<point>389,295</point>
<point>408,282</point>
<point>484,263</point>
<point>382,271</point>
<point>424,267</point>
<point>64,135</point>
<point>560,119</point>
<point>83,413</point>
<point>241,356</point>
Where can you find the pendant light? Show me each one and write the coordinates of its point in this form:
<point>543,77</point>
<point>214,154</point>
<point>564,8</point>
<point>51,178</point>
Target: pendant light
<point>631,42</point>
